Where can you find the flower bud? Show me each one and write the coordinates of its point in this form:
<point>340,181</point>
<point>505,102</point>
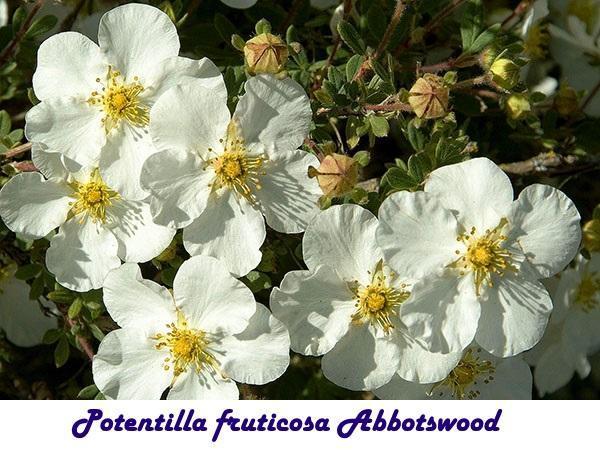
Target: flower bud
<point>265,53</point>
<point>337,174</point>
<point>517,106</point>
<point>505,73</point>
<point>566,101</point>
<point>429,97</point>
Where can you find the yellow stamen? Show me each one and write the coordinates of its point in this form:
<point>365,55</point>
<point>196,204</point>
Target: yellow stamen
<point>463,380</point>
<point>377,303</point>
<point>484,255</point>
<point>92,198</point>
<point>536,42</point>
<point>235,169</point>
<point>587,293</point>
<point>188,348</point>
<point>120,101</point>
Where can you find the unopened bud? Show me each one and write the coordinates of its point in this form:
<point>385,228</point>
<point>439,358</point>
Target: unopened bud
<point>429,97</point>
<point>505,73</point>
<point>265,53</point>
<point>517,106</point>
<point>337,174</point>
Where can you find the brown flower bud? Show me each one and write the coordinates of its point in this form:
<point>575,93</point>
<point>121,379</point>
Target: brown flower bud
<point>517,106</point>
<point>265,53</point>
<point>429,97</point>
<point>337,174</point>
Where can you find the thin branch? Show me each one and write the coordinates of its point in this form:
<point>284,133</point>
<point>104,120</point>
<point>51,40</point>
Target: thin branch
<point>19,150</point>
<point>9,50</point>
<point>591,96</point>
<point>338,39</point>
<point>389,31</point>
<point>551,164</point>
<point>520,9</point>
<point>83,342</point>
<point>290,16</point>
<point>70,19</point>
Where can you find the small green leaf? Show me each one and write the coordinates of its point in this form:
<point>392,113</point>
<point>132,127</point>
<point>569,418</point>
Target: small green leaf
<point>28,271</point>
<point>5,123</point>
<point>41,26</point>
<point>353,65</point>
<point>62,352</point>
<point>88,392</point>
<point>362,158</point>
<point>75,308</point>
<point>51,336</point>
<point>398,179</point>
<point>379,125</point>
<point>351,37</point>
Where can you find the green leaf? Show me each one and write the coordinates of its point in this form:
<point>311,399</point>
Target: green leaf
<point>379,125</point>
<point>419,166</point>
<point>351,37</point>
<point>353,65</point>
<point>483,40</point>
<point>62,352</point>
<point>88,392</point>
<point>471,23</point>
<point>257,281</point>
<point>41,26</point>
<point>415,137</point>
<point>96,331</point>
<point>51,336</point>
<point>262,26</point>
<point>5,123</point>
<point>75,308</point>
<point>224,27</point>
<point>28,271</point>
<point>399,180</point>
<point>362,158</point>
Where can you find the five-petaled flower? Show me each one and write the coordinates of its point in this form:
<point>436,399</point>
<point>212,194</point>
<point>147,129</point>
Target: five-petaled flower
<point>197,341</point>
<point>480,256</point>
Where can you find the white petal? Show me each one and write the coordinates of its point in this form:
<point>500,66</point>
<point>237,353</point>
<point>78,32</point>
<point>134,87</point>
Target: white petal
<point>140,239</point>
<point>421,366</point>
<point>240,4</point>
<point>288,198</point>
<point>513,316</point>
<point>179,187</point>
<point>261,353</point>
<point>400,389</point>
<point>553,370</point>
<point>122,159</point>
<point>178,70</point>
<point>478,190</point>
<point>129,367</point>
<point>52,164</point>
<point>34,206</point>
<point>137,37</point>
<point>546,223</point>
<point>211,299</point>
<point>69,126</point>
<point>134,302</point>
<point>67,66</point>
<point>21,319</point>
<point>81,255</point>
<point>316,308</point>
<point>193,386</point>
<point>273,114</point>
<point>343,238</point>
<point>361,361</point>
<point>442,312</point>
<point>229,229</point>
<point>417,235</point>
<point>190,118</point>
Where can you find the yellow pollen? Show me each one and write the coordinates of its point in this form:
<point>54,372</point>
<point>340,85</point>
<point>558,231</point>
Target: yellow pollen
<point>235,169</point>
<point>484,255</point>
<point>92,198</point>
<point>188,348</point>
<point>462,382</point>
<point>587,293</point>
<point>536,42</point>
<point>120,101</point>
<point>377,303</point>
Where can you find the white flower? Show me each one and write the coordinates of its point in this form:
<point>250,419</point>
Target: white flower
<point>197,341</point>
<point>217,175</point>
<point>574,329</point>
<point>478,376</point>
<point>482,254</point>
<point>97,227</point>
<point>96,100</point>
<point>349,307</point>
<point>21,319</point>
<point>3,13</point>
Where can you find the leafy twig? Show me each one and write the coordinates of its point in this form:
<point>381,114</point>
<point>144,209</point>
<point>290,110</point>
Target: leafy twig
<point>9,50</point>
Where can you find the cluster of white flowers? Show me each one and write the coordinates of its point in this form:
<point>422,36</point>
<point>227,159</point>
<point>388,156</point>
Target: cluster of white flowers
<point>439,297</point>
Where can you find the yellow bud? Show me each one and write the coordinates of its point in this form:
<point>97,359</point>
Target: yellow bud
<point>566,101</point>
<point>429,97</point>
<point>517,106</point>
<point>337,174</point>
<point>591,235</point>
<point>487,57</point>
<point>265,53</point>
<point>505,73</point>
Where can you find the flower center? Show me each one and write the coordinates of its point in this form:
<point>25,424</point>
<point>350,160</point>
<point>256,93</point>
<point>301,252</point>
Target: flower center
<point>587,293</point>
<point>92,198</point>
<point>120,101</point>
<point>377,303</point>
<point>188,347</point>
<point>463,380</point>
<point>536,42</point>
<point>235,169</point>
<point>484,255</point>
